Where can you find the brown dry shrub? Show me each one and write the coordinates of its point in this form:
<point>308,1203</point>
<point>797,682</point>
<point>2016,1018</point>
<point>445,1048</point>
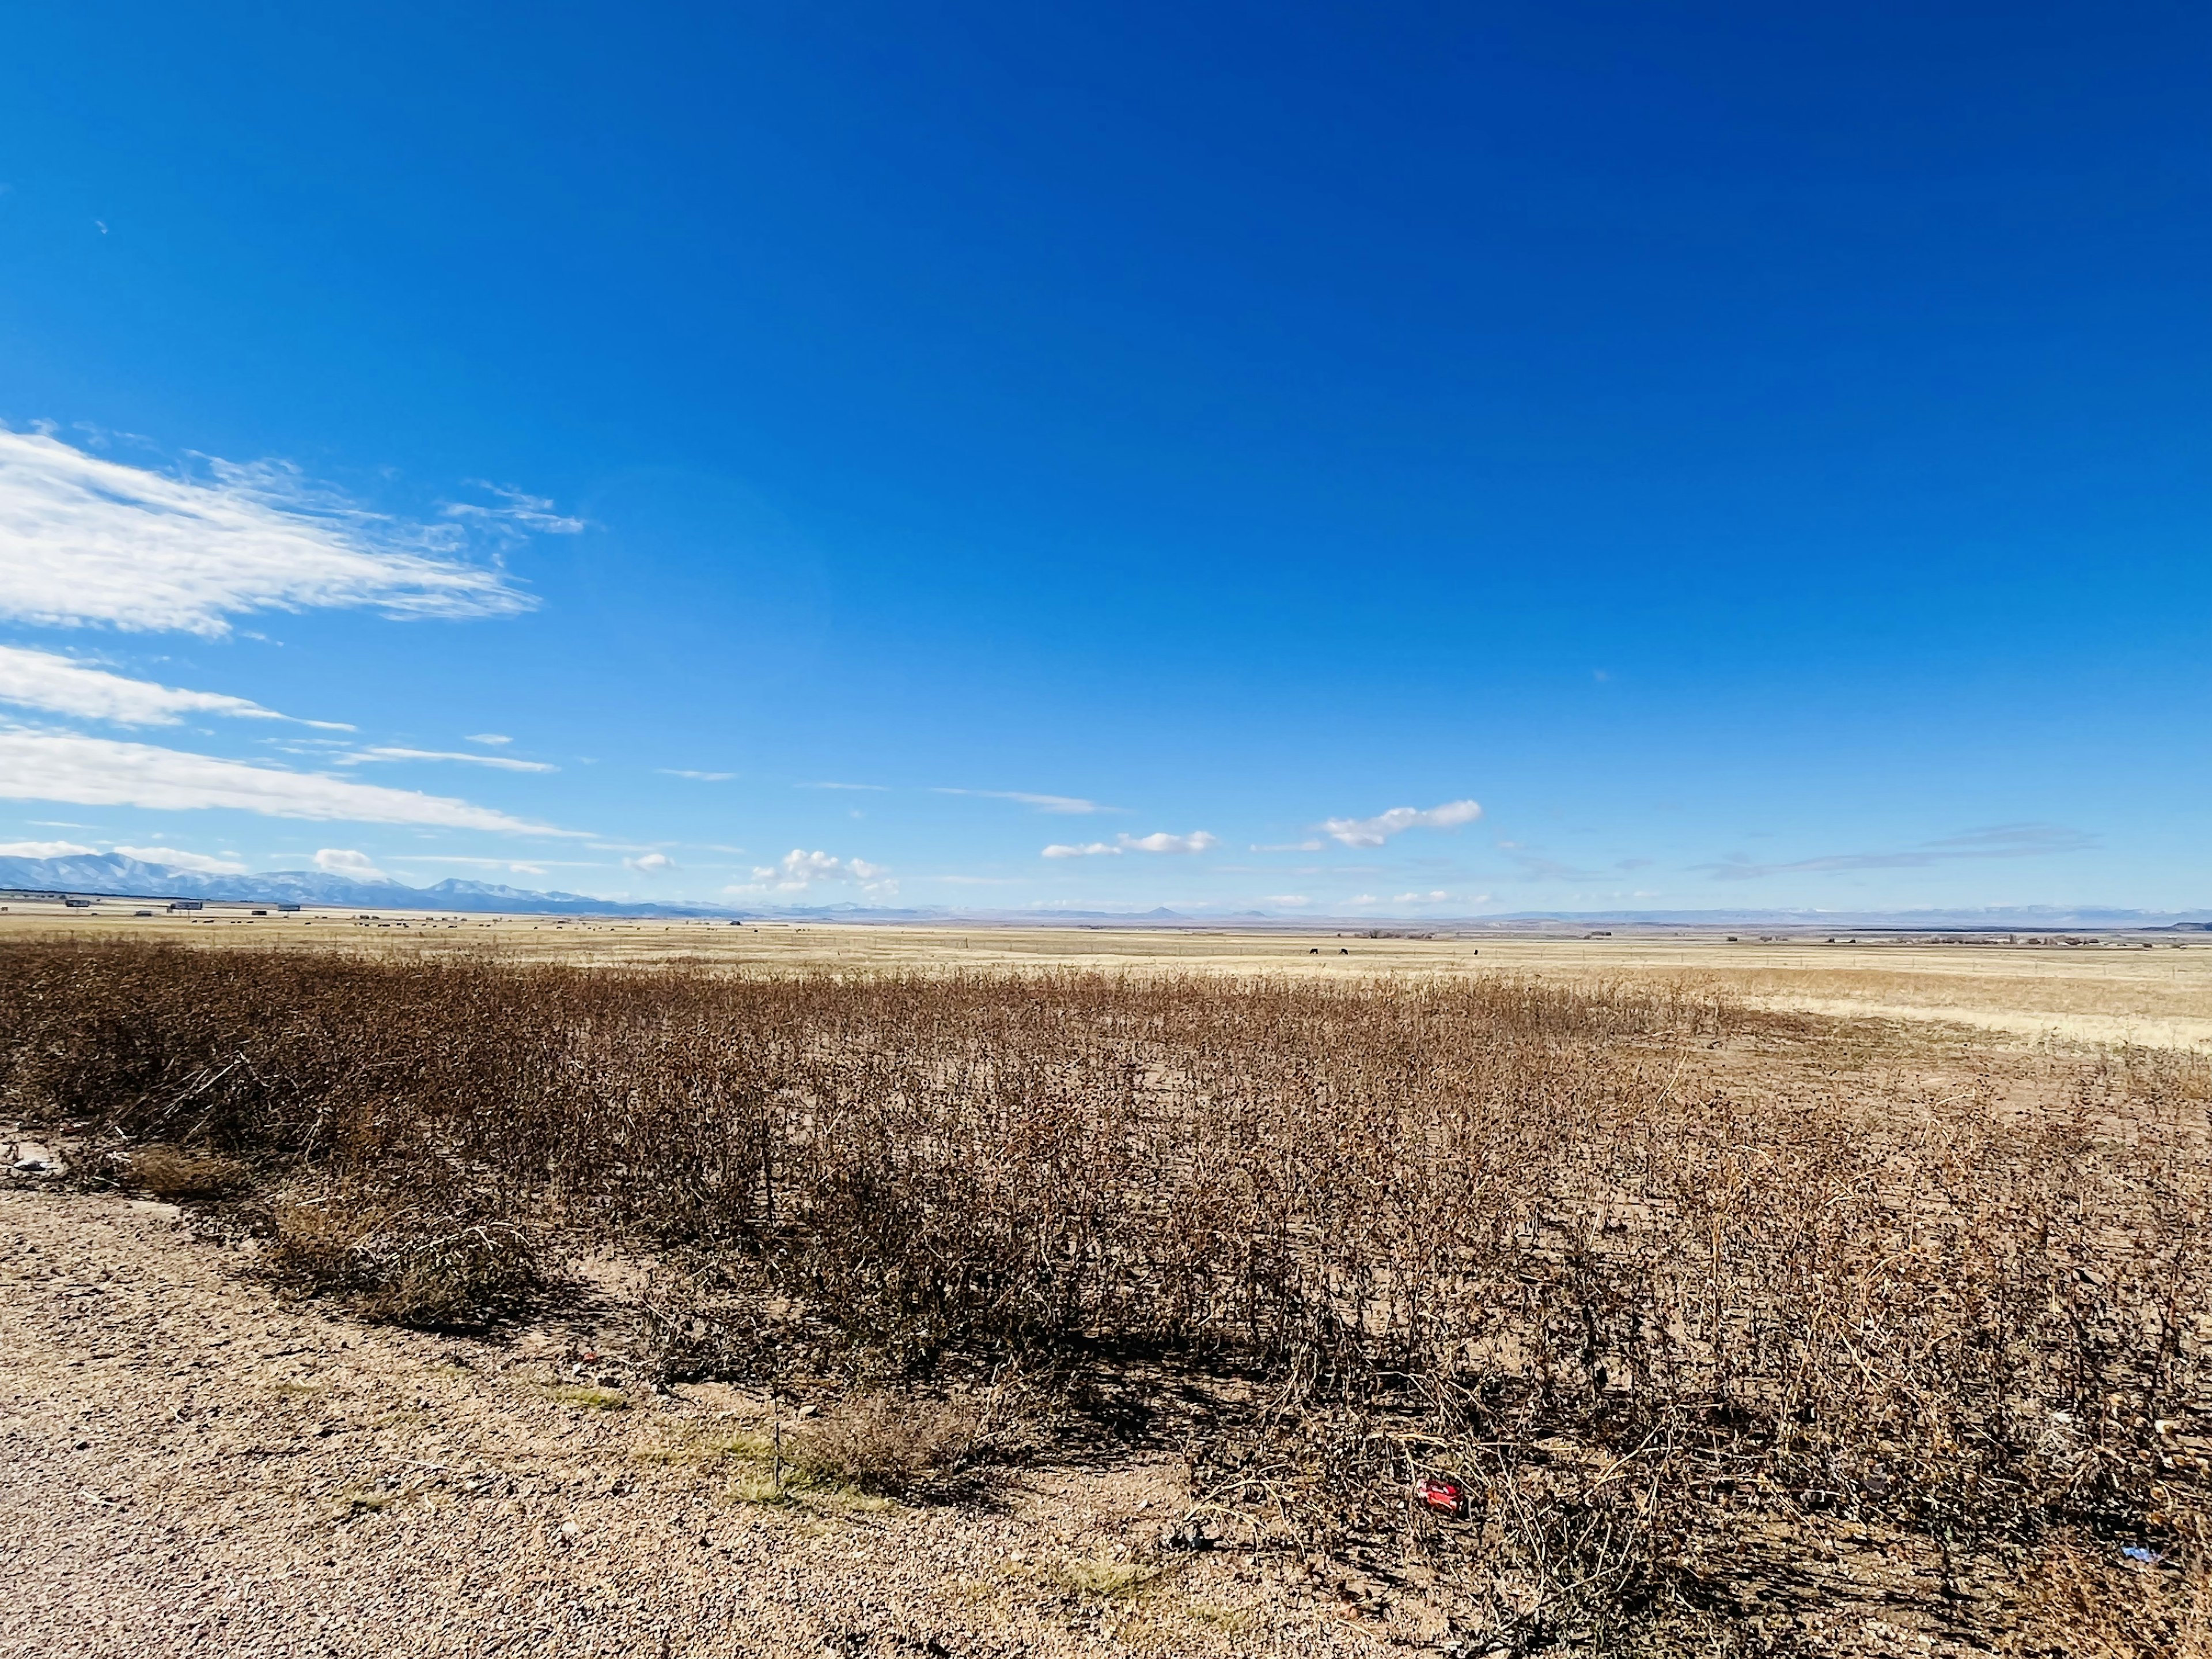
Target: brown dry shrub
<point>895,1444</point>
<point>403,1268</point>
<point>699,1319</point>
<point>172,1173</point>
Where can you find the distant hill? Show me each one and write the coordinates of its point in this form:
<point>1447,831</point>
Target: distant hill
<point>112,872</point>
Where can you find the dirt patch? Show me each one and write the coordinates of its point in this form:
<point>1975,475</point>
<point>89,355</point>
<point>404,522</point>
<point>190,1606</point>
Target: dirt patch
<point>195,1467</point>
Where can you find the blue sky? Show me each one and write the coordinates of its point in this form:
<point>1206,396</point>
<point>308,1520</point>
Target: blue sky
<point>1762,458</point>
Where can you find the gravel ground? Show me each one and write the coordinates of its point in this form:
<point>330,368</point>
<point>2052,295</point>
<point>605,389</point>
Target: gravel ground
<point>194,1466</point>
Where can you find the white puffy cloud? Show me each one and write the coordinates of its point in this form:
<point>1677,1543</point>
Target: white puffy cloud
<point>651,864</point>
<point>181,860</point>
<point>799,869</point>
<point>42,849</point>
<point>347,861</point>
<point>62,685</point>
<point>495,739</point>
<point>88,540</point>
<point>40,765</point>
<point>1438,897</point>
<point>1197,842</point>
<point>505,763</point>
<point>1373,832</point>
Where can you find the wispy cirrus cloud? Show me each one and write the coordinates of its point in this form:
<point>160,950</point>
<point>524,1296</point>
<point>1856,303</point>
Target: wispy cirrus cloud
<point>1373,832</point>
<point>872,788</point>
<point>1198,840</point>
<point>695,777</point>
<point>512,513</point>
<point>2003,841</point>
<point>88,540</point>
<point>1070,805</point>
<point>62,685</point>
<point>67,766</point>
<point>385,752</point>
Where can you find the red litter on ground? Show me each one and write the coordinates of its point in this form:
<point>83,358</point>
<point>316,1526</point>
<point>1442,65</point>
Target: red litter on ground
<point>1440,1492</point>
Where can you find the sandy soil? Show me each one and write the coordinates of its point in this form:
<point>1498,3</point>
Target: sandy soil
<point>2129,988</point>
<point>195,1467</point>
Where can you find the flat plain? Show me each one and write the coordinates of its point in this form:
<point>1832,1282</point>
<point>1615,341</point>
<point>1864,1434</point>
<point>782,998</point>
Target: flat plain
<point>2116,986</point>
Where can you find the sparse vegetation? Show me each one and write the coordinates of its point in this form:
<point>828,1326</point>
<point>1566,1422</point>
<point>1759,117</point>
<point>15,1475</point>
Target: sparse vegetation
<point>433,1268</point>
<point>167,1172</point>
<point>888,1444</point>
<point>1104,1578</point>
<point>1705,1311</point>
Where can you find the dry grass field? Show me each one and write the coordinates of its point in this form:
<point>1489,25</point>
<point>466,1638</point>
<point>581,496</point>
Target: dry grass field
<point>2114,988</point>
<point>1636,1295</point>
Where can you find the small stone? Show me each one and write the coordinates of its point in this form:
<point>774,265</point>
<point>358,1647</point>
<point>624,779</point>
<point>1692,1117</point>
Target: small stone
<point>569,1529</point>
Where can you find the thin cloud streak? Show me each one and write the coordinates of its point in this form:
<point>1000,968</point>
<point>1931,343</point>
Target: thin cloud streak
<point>385,752</point>
<point>62,685</point>
<point>2004,841</point>
<point>38,765</point>
<point>1069,805</point>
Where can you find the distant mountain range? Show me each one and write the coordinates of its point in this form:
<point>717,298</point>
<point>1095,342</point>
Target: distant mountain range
<point>113,873</point>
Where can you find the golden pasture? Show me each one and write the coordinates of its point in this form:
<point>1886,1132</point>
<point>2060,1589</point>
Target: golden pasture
<point>2144,989</point>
